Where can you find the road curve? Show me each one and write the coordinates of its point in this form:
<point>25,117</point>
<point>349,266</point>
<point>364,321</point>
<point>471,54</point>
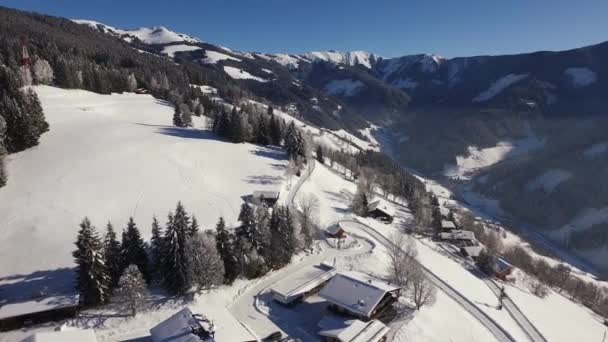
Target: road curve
<point>499,332</point>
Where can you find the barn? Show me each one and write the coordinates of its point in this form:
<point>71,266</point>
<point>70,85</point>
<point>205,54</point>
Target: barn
<point>336,231</point>
<point>382,211</point>
<point>268,197</point>
<point>359,295</point>
<point>184,326</point>
<point>334,330</point>
<point>302,283</point>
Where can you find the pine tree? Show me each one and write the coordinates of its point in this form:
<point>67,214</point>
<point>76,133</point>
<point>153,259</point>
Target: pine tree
<point>156,248</point>
<point>282,239</point>
<point>193,228</point>
<point>319,153</point>
<point>132,291</point>
<point>3,175</point>
<point>177,117</point>
<point>205,265</point>
<point>294,143</point>
<point>236,127</point>
<point>225,243</point>
<point>133,249</point>
<point>112,255</point>
<point>247,219</point>
<point>92,279</point>
<point>276,134</point>
<point>262,134</point>
<point>131,82</point>
<point>174,258</point>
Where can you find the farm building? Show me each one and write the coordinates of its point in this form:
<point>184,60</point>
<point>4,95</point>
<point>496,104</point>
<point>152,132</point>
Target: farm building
<point>464,237</point>
<point>334,330</point>
<point>447,226</point>
<point>38,310</point>
<point>268,197</point>
<point>69,335</point>
<point>471,251</point>
<point>299,285</point>
<point>358,295</point>
<point>382,211</point>
<point>336,231</point>
<point>184,326</point>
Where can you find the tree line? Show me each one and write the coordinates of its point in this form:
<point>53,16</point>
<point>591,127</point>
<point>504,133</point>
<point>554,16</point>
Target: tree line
<point>181,258</point>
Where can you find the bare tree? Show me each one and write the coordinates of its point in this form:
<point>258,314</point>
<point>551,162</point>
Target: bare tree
<point>309,207</point>
<point>131,290</point>
<point>422,291</point>
<point>402,255</point>
<point>537,288</point>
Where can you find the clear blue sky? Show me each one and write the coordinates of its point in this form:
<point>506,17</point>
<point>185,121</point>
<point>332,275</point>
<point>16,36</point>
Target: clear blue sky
<point>388,27</point>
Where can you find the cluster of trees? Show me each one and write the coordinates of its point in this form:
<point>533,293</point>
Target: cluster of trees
<point>406,271</point>
<point>181,258</point>
<point>539,274</point>
<point>22,120</point>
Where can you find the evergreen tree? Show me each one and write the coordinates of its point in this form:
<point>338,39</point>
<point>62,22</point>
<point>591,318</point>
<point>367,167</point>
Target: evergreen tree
<point>262,134</point>
<point>204,262</point>
<point>225,243</point>
<point>3,175</point>
<point>276,134</point>
<point>247,219</point>
<point>177,117</point>
<point>236,127</point>
<point>282,239</point>
<point>320,157</point>
<point>92,280</point>
<point>132,291</point>
<point>156,247</point>
<point>174,258</point>
<point>193,228</point>
<point>131,82</point>
<point>294,143</point>
<point>112,255</point>
<point>133,249</point>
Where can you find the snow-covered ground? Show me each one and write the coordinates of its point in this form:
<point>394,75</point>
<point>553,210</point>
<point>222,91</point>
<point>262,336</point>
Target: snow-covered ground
<point>239,74</point>
<point>498,86</point>
<point>212,57</point>
<point>581,77</point>
<point>170,50</point>
<point>148,35</point>
<point>548,180</point>
<point>109,157</point>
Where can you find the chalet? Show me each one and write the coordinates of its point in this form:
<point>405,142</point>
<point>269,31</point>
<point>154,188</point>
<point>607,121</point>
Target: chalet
<point>358,295</point>
<point>301,284</point>
<point>462,237</point>
<point>501,268</point>
<point>353,330</point>
<point>447,226</point>
<point>268,197</point>
<point>68,335</point>
<point>336,231</point>
<point>38,310</point>
<point>382,211</point>
<point>471,251</point>
<point>184,326</point>
<point>141,91</point>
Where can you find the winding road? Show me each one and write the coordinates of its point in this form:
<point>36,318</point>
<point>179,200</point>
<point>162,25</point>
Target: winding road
<point>247,308</point>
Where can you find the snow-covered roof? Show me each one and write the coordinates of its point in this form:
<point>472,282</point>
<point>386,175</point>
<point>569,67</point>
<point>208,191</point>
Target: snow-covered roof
<point>179,328</point>
<point>303,280</point>
<point>38,305</point>
<point>444,211</point>
<point>445,224</point>
<point>356,292</point>
<point>458,235</point>
<point>334,228</point>
<point>500,265</point>
<point>266,194</point>
<point>383,206</point>
<point>358,331</point>
<point>72,335</point>
<point>473,251</point>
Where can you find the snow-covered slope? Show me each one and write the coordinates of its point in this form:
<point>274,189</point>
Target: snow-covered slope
<point>170,50</point>
<point>350,58</point>
<point>239,74</point>
<point>148,35</point>
<point>109,157</point>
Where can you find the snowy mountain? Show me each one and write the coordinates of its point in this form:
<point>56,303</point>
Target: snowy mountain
<point>148,35</point>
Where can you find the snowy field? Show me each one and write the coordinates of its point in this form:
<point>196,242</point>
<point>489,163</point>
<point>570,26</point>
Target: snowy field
<point>109,157</point>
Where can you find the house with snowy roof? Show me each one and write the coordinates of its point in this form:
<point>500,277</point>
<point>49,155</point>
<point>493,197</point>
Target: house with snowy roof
<point>37,309</point>
<point>336,231</point>
<point>382,211</point>
<point>447,226</point>
<point>302,283</point>
<point>359,295</point>
<point>457,235</point>
<point>268,197</point>
<point>184,326</point>
<point>353,330</point>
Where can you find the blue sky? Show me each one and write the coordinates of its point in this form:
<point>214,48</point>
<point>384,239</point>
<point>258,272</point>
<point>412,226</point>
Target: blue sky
<point>388,27</point>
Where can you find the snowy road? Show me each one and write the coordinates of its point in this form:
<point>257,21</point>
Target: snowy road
<point>500,333</point>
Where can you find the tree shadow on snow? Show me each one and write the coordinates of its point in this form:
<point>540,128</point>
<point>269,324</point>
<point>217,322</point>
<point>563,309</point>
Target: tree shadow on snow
<point>264,179</point>
<point>57,283</point>
<point>271,152</point>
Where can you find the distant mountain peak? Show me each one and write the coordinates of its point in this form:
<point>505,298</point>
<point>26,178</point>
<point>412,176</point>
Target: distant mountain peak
<point>148,35</point>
